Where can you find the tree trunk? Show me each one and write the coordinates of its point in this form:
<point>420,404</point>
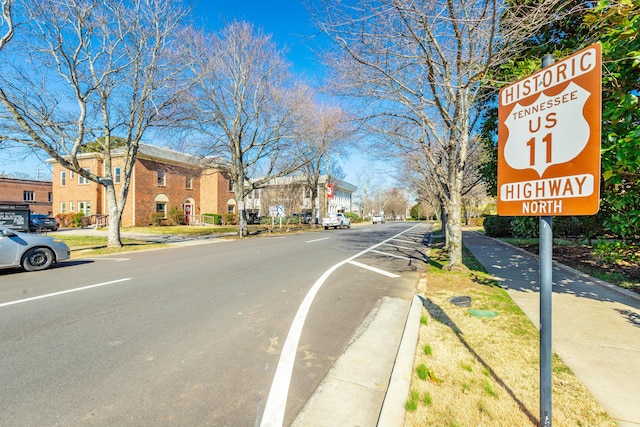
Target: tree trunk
<point>115,218</point>
<point>454,232</point>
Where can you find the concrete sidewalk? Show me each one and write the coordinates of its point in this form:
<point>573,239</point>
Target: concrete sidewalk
<point>595,325</point>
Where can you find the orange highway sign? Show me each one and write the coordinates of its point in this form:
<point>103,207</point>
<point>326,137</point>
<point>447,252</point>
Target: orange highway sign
<point>549,139</point>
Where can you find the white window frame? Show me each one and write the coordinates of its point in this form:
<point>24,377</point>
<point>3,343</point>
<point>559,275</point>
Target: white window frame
<point>82,180</point>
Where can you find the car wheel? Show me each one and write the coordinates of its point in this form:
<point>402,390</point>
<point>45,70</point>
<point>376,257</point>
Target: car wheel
<point>37,259</point>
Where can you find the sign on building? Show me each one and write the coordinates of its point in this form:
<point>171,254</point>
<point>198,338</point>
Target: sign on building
<point>549,139</point>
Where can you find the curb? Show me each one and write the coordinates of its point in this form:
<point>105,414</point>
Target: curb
<point>392,413</point>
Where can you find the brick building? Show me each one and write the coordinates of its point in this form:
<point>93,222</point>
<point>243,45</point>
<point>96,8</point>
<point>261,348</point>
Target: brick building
<point>161,179</point>
<point>37,194</point>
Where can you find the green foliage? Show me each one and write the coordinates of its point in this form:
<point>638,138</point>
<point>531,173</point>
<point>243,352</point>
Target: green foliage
<point>524,227</point>
<point>614,251</point>
<point>422,372</point>
<point>217,218</point>
<point>176,216</point>
<point>417,213</point>
<point>77,219</point>
<point>412,403</point>
<point>488,388</point>
<point>427,350</point>
<point>616,26</point>
<point>230,219</point>
<point>427,399</point>
<point>155,218</point>
<point>497,226</point>
<point>353,217</point>
<point>619,30</point>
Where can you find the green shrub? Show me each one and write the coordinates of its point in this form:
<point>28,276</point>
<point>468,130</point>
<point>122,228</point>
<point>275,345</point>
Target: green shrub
<point>497,226</point>
<point>156,218</point>
<point>567,226</point>
<point>217,218</point>
<point>230,219</point>
<point>176,216</point>
<point>524,227</point>
<point>77,219</point>
<point>353,217</point>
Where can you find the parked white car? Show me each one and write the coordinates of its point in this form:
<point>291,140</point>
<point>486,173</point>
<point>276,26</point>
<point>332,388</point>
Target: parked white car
<point>32,252</point>
<point>336,220</point>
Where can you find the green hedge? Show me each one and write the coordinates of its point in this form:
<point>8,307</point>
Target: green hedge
<point>497,226</point>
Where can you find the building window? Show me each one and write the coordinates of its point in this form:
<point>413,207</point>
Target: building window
<point>71,207</point>
<point>85,208</point>
<point>189,183</point>
<point>116,175</point>
<point>28,196</point>
<point>72,175</point>
<point>63,178</point>
<point>162,179</point>
<point>161,208</point>
<point>50,196</point>
<point>231,209</point>
<point>230,185</point>
<point>63,207</point>
<point>82,180</point>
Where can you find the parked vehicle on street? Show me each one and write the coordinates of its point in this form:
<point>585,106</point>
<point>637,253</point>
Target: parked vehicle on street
<point>304,218</point>
<point>377,219</point>
<point>39,222</point>
<point>336,220</point>
<point>30,251</point>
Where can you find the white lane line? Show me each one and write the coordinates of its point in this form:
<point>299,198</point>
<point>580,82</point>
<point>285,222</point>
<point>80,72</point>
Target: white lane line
<point>317,240</point>
<point>68,291</point>
<point>392,255</point>
<point>110,259</point>
<point>273,415</point>
<point>374,269</point>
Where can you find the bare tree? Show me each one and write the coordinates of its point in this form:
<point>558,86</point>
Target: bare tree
<point>245,105</point>
<point>396,203</point>
<point>420,65</point>
<point>95,76</point>
<point>322,128</point>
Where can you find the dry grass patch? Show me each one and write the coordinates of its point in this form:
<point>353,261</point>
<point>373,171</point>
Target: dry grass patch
<point>484,371</point>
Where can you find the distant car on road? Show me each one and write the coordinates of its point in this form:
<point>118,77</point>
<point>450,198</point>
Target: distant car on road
<point>377,219</point>
<point>30,251</point>
<point>42,222</point>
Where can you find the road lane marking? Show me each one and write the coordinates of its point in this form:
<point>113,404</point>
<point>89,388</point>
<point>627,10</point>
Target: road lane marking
<point>392,255</point>
<point>111,259</point>
<point>68,291</point>
<point>273,415</point>
<point>317,240</point>
<point>374,269</point>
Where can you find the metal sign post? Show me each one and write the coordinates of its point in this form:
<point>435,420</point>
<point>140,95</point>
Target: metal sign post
<point>546,293</point>
<point>549,164</point>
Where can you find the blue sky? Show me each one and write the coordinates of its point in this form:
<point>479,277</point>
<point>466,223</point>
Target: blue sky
<point>291,27</point>
<point>288,21</point>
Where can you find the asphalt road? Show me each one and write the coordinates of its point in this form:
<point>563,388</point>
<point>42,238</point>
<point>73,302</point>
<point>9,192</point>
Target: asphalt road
<point>191,335</point>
